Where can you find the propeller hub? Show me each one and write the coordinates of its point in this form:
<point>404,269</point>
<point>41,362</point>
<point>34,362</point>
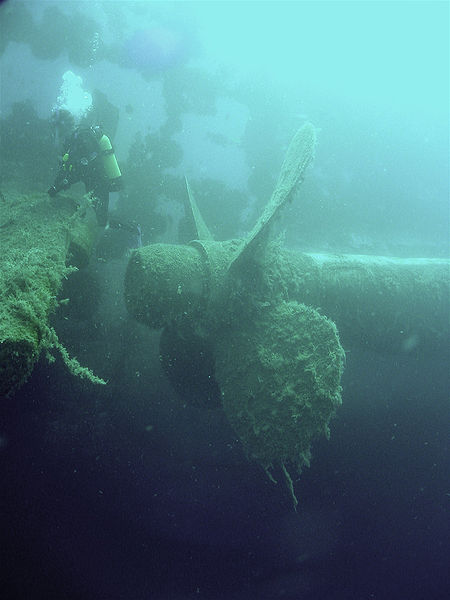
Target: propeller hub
<point>163,282</point>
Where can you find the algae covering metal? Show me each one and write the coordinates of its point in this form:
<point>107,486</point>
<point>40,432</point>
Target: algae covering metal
<point>277,363</point>
<point>263,313</point>
<point>298,157</point>
<point>380,303</point>
<point>42,240</point>
<point>280,380</point>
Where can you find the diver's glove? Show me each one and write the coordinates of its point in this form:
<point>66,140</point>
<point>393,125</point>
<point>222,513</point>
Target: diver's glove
<point>60,184</point>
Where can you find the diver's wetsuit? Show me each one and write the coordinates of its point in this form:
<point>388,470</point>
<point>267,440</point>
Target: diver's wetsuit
<point>83,161</point>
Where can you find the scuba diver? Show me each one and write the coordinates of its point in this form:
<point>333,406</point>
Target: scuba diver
<point>89,157</point>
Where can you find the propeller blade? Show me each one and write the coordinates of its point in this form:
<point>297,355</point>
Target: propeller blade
<point>280,382</point>
<point>198,229</point>
<point>298,156</point>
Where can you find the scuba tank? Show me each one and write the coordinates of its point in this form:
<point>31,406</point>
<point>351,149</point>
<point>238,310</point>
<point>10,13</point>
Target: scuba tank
<point>110,165</point>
